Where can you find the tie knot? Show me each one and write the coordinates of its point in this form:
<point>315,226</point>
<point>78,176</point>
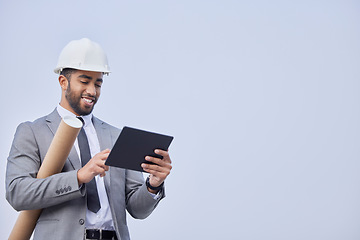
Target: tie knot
<point>81,119</point>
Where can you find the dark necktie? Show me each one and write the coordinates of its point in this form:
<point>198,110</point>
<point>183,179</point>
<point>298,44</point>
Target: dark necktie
<point>93,202</point>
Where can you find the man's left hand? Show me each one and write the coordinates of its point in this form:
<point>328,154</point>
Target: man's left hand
<point>158,171</point>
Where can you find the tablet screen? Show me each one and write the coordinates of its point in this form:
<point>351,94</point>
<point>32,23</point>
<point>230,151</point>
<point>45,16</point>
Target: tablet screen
<point>133,145</point>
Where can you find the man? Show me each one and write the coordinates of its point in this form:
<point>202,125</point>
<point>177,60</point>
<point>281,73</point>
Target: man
<point>87,200</point>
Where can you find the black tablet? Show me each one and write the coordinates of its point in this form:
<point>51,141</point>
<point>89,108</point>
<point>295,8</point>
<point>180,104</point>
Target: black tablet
<point>133,145</point>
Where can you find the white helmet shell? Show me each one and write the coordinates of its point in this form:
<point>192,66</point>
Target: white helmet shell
<point>83,54</point>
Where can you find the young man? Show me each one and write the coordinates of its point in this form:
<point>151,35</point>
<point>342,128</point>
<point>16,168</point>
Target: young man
<point>87,200</point>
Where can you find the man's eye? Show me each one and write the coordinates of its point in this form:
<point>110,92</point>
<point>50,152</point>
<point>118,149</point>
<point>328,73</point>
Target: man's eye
<point>97,85</point>
<point>83,82</point>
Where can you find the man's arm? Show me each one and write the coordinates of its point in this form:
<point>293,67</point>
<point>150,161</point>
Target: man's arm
<point>23,190</point>
<point>140,203</point>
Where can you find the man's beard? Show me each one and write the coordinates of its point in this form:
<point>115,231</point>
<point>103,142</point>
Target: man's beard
<point>74,102</point>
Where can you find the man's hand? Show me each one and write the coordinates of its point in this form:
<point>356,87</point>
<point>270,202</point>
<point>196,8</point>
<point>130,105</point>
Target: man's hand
<point>94,167</point>
<point>158,171</point>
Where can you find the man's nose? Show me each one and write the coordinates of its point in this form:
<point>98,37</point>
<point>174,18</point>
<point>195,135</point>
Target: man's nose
<point>91,90</point>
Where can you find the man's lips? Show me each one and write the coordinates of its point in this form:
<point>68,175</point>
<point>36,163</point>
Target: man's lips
<point>88,101</point>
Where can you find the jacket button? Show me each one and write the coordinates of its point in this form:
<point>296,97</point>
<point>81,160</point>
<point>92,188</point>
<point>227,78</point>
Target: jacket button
<point>81,221</point>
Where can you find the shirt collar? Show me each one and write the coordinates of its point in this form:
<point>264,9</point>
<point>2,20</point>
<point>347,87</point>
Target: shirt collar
<point>64,112</point>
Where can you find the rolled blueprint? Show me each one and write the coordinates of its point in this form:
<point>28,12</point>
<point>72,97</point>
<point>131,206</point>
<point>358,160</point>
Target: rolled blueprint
<point>53,163</point>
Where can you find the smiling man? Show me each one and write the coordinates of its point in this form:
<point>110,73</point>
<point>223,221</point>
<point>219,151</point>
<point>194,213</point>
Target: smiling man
<point>81,102</point>
<point>88,199</point>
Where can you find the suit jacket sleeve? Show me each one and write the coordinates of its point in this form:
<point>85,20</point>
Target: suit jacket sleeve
<point>140,203</point>
<point>23,190</point>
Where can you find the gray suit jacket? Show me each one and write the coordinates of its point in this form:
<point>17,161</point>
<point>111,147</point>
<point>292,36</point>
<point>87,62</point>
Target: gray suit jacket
<point>62,201</point>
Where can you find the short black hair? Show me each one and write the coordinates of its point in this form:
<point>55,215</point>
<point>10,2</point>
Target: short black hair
<point>66,72</point>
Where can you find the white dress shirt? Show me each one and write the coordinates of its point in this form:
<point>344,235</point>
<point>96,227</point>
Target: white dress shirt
<point>102,219</point>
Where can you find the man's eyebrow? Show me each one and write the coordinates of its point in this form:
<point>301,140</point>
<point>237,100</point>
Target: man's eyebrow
<point>99,80</point>
<point>85,76</point>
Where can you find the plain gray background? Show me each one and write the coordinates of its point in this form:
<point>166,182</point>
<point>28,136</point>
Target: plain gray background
<point>261,96</point>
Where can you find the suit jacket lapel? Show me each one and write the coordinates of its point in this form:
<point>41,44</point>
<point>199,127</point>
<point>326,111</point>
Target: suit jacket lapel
<point>53,120</point>
<point>103,133</point>
<point>104,136</point>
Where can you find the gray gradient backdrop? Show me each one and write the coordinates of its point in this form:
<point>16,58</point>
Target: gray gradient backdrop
<point>261,96</point>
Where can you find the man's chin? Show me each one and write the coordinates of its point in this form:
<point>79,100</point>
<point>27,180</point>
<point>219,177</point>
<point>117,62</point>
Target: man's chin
<point>87,111</point>
<point>84,111</point>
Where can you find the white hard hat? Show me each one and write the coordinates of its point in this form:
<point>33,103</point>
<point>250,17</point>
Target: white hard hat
<point>83,54</point>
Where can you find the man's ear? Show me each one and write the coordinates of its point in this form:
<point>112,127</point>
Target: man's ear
<point>63,82</point>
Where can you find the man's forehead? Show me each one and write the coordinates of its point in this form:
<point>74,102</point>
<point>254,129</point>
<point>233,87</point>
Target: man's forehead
<point>89,75</point>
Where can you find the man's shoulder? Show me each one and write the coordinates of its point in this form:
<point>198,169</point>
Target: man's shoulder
<point>37,122</point>
<point>98,121</point>
<point>37,127</point>
<point>41,121</point>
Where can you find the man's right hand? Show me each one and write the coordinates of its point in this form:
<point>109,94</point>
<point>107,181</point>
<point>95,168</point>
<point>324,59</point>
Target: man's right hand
<point>94,167</point>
